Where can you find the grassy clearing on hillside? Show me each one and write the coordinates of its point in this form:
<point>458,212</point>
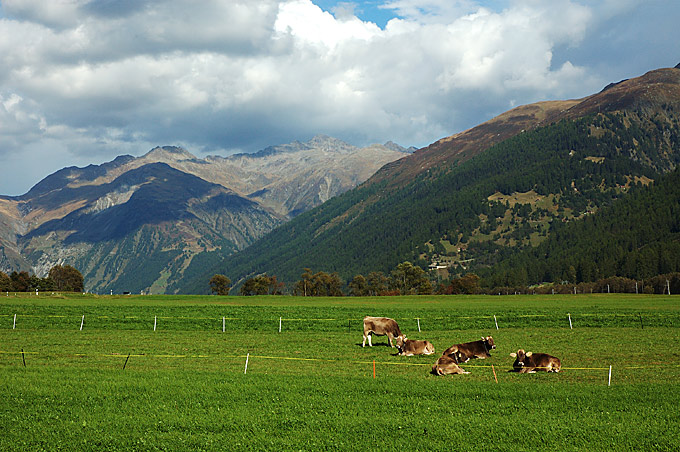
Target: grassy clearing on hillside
<point>311,386</point>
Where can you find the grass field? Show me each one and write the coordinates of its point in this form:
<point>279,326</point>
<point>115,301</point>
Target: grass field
<point>119,385</point>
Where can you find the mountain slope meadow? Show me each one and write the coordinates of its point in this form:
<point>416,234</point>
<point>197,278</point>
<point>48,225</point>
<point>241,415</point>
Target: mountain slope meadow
<point>159,373</point>
<point>477,198</point>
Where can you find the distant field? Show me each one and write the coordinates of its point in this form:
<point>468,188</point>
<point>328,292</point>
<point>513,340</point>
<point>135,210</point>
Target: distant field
<point>311,387</point>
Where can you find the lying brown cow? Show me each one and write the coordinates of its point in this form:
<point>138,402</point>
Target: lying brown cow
<point>528,362</point>
<point>446,365</point>
<point>380,326</point>
<point>407,347</point>
<point>477,349</point>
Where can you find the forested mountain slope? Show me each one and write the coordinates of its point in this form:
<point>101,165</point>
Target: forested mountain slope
<point>479,200</point>
<point>637,237</point>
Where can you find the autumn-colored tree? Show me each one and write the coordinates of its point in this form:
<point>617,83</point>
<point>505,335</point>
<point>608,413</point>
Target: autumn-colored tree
<point>66,278</point>
<point>220,284</point>
<point>5,282</point>
<point>468,284</point>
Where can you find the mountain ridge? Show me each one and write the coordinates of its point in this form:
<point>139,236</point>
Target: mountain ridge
<point>576,155</point>
<point>169,198</point>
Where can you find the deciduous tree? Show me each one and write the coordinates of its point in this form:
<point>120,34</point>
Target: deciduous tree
<point>66,278</point>
<point>220,284</point>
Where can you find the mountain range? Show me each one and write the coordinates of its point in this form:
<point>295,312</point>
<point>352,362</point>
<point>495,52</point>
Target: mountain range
<point>501,199</point>
<point>138,224</point>
<point>474,199</point>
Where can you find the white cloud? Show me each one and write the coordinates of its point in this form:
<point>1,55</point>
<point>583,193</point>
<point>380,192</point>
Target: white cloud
<point>84,81</point>
<point>309,24</point>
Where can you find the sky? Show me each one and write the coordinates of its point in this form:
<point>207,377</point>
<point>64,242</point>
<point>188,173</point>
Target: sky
<point>83,81</point>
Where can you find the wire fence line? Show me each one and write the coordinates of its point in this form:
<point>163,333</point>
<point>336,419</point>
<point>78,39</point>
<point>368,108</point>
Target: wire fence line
<point>160,322</point>
<point>606,371</point>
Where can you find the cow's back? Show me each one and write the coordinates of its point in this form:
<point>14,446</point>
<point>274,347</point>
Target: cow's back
<point>381,326</point>
<point>446,365</point>
<point>545,362</point>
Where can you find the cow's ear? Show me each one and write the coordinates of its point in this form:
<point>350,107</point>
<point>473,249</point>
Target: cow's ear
<point>514,355</point>
<point>529,354</point>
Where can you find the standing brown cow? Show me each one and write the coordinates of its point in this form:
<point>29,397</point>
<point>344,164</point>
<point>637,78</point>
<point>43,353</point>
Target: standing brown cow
<point>446,365</point>
<point>528,362</point>
<point>408,347</point>
<point>380,326</point>
<point>477,349</point>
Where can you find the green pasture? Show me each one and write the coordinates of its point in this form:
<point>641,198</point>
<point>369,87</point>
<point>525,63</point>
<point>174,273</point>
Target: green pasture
<point>119,385</point>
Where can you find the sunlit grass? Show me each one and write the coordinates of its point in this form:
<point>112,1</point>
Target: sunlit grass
<point>311,387</point>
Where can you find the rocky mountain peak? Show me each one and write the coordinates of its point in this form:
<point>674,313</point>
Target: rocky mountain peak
<point>391,145</point>
<point>168,153</point>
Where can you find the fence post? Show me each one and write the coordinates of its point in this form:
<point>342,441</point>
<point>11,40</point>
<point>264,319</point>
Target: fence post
<point>419,324</point>
<point>223,324</point>
<point>570,327</point>
<point>82,321</point>
<point>15,322</point>
<point>245,371</point>
<point>279,324</point>
<point>154,322</point>
<point>495,321</point>
<point>610,376</point>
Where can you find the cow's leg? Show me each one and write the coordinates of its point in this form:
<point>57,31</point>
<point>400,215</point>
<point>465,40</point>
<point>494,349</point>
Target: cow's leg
<point>369,340</point>
<point>363,344</point>
<point>389,339</point>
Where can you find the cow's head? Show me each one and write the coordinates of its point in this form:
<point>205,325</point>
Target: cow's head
<point>520,358</point>
<point>400,341</point>
<point>488,343</point>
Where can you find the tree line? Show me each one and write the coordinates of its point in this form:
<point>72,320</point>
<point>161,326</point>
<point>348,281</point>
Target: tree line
<point>376,284</point>
<point>405,279</point>
<point>62,278</point>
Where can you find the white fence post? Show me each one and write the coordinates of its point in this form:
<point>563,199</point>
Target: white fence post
<point>279,324</point>
<point>223,324</point>
<point>15,322</point>
<point>570,327</point>
<point>82,321</point>
<point>245,371</point>
<point>154,323</point>
<point>419,324</point>
<point>495,321</point>
<point>610,376</point>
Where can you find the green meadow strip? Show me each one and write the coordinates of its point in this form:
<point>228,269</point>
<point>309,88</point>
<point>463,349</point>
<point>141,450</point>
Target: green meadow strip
<point>119,385</point>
